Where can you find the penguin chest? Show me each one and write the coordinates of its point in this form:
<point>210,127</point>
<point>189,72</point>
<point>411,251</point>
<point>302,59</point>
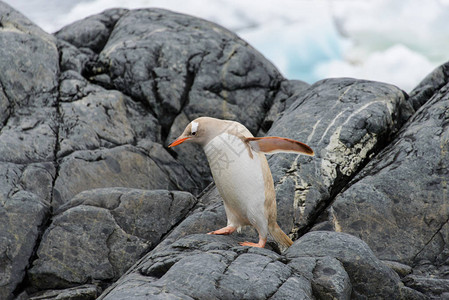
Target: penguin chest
<point>237,173</point>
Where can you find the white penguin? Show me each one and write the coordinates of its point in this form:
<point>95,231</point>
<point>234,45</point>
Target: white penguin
<point>241,174</point>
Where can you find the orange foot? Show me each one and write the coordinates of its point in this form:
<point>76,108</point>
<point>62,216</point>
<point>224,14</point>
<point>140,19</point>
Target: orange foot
<point>260,244</point>
<point>224,230</point>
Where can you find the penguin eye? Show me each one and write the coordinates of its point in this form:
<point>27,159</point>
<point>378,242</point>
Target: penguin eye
<point>194,128</point>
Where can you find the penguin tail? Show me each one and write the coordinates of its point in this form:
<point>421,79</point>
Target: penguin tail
<point>279,236</point>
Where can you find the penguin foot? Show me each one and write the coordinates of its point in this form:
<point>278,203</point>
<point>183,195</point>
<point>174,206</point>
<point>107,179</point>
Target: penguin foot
<point>224,230</point>
<point>260,244</point>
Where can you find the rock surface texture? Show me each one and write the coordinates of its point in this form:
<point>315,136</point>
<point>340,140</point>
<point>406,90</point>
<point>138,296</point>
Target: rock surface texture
<point>94,205</point>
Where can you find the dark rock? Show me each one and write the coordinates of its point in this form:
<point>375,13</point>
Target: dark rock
<point>182,68</point>
<point>322,265</point>
<point>401,269</point>
<point>429,86</point>
<point>84,118</point>
<point>209,215</point>
<point>213,267</point>
<point>25,193</point>
<point>73,86</point>
<point>124,166</point>
<point>434,288</point>
<point>330,280</point>
<point>73,58</point>
<point>18,238</point>
<point>29,63</point>
<point>122,223</point>
<point>176,62</point>
<point>288,92</point>
<point>84,292</point>
<point>98,120</point>
<point>400,196</point>
<point>28,91</point>
<point>29,81</point>
<point>89,107</point>
<point>92,32</point>
<point>346,121</point>
<point>369,277</point>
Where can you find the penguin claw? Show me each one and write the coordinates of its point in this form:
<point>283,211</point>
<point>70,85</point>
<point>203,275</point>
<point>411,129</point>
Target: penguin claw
<point>249,244</point>
<point>260,244</point>
<point>224,230</point>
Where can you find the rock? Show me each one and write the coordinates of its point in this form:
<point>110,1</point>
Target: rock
<point>369,277</point>
<point>207,216</point>
<point>86,291</point>
<point>213,267</point>
<point>92,32</point>
<point>345,121</point>
<point>29,81</point>
<point>305,185</point>
<point>122,223</point>
<point>182,68</point>
<point>84,96</point>
<point>400,195</point>
<point>196,65</point>
<point>321,265</point>
<point>124,166</point>
<point>288,92</point>
<point>330,280</point>
<point>98,120</point>
<point>429,86</point>
<point>74,59</point>
<point>85,116</point>
<point>18,238</point>
<point>401,269</point>
<point>434,288</point>
<point>191,155</point>
<point>29,63</point>
<point>28,91</point>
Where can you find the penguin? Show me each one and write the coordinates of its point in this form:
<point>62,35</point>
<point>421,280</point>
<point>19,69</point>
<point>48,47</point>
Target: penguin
<point>242,175</point>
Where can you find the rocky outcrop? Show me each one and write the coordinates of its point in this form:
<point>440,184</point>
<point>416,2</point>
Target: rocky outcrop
<point>346,121</point>
<point>325,265</point>
<point>100,233</point>
<point>110,212</point>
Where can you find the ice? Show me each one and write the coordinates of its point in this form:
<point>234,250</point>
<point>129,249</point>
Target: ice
<point>394,41</point>
<point>397,65</point>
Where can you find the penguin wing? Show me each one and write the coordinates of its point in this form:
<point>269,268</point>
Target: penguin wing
<point>274,144</point>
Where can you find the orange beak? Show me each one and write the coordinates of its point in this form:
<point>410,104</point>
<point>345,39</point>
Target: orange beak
<point>178,141</point>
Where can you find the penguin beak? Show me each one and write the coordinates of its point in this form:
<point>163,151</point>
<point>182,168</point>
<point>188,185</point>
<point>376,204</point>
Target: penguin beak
<point>178,141</point>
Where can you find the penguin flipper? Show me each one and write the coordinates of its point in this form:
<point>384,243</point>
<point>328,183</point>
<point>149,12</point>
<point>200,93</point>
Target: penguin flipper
<point>274,144</point>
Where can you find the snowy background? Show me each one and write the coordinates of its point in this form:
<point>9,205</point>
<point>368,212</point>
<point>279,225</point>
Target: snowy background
<point>394,41</point>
